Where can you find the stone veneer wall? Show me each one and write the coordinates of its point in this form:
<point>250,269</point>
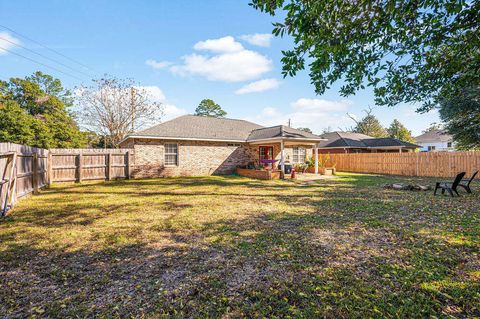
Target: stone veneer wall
<point>195,158</point>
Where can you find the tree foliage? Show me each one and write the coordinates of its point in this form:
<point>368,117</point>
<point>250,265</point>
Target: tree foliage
<point>433,127</point>
<point>113,107</point>
<point>408,51</point>
<point>35,111</point>
<point>305,129</point>
<point>399,131</point>
<point>462,117</point>
<point>208,107</point>
<point>369,125</point>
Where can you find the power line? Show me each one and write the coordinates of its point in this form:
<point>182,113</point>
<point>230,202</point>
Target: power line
<point>45,65</point>
<point>45,57</point>
<point>50,49</point>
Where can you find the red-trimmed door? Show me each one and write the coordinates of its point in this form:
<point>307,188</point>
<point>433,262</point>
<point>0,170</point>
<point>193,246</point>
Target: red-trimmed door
<point>265,153</point>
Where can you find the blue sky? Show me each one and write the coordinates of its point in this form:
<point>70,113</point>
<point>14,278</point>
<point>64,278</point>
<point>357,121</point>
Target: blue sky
<point>182,52</point>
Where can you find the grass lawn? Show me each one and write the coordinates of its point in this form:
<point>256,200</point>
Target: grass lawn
<point>229,247</point>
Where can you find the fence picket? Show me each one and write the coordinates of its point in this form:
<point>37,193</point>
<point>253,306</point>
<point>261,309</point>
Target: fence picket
<point>38,167</point>
<point>433,164</point>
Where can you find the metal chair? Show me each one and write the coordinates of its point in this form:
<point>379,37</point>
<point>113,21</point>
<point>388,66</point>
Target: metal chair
<point>450,187</point>
<point>465,183</point>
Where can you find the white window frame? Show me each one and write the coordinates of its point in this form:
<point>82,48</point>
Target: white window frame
<point>165,154</point>
<point>299,154</point>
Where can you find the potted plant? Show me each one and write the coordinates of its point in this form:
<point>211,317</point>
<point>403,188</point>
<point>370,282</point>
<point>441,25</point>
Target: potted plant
<point>323,160</point>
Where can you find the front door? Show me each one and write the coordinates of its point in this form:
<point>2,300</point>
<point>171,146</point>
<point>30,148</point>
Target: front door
<point>266,153</point>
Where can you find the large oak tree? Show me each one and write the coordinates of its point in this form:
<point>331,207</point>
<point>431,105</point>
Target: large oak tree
<point>36,111</point>
<point>408,51</point>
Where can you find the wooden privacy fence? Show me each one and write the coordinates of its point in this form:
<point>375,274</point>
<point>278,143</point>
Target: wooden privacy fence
<point>434,164</point>
<point>76,165</point>
<point>23,169</point>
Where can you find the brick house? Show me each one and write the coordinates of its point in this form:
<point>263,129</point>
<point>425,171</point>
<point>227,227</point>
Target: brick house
<point>348,142</point>
<point>197,146</point>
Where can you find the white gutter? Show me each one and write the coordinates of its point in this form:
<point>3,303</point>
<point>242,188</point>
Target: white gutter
<point>218,140</point>
<point>181,139</point>
<point>286,139</point>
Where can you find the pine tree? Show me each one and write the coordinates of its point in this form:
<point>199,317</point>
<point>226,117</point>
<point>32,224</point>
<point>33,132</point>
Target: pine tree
<point>399,131</point>
<point>369,125</point>
<point>208,107</point>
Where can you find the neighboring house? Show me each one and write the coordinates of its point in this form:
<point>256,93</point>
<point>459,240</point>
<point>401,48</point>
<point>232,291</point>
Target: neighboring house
<point>197,146</point>
<point>348,142</point>
<point>435,140</point>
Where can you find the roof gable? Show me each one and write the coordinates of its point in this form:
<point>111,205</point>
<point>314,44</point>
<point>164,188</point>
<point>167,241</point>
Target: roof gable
<point>434,136</point>
<point>280,131</point>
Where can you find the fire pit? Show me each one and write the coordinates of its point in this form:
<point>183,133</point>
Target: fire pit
<point>407,187</point>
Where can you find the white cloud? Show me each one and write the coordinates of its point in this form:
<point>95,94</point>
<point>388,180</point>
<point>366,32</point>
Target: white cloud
<point>222,45</point>
<point>225,60</point>
<point>7,41</point>
<point>170,110</point>
<point>229,67</point>
<point>154,92</point>
<point>158,64</point>
<point>259,86</point>
<point>316,116</point>
<point>258,39</point>
<point>304,104</point>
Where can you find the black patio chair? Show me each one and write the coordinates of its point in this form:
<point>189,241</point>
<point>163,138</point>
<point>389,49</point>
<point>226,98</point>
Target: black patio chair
<point>449,186</point>
<point>465,183</point>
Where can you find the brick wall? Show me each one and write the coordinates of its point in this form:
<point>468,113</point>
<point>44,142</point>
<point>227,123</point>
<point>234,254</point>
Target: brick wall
<point>259,174</point>
<point>195,158</point>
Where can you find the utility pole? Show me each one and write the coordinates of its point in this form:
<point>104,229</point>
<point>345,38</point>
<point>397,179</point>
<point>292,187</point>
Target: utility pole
<point>289,122</point>
<point>132,106</point>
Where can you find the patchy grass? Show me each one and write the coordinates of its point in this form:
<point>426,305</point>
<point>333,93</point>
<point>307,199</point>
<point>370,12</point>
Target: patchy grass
<point>229,247</point>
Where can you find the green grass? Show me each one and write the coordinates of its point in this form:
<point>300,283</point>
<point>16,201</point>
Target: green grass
<point>230,247</point>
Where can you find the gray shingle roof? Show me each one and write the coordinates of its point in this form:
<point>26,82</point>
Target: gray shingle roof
<point>434,136</point>
<point>280,131</point>
<point>357,140</point>
<point>387,142</point>
<point>201,127</point>
<point>343,139</point>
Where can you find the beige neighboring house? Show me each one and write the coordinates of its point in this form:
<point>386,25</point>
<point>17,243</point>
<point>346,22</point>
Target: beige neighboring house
<point>435,140</point>
<point>192,145</point>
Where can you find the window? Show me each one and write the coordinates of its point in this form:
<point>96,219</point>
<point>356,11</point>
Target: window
<point>449,144</point>
<point>171,154</point>
<point>431,148</point>
<point>298,155</point>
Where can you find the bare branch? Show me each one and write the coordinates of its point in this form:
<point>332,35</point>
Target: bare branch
<point>114,107</point>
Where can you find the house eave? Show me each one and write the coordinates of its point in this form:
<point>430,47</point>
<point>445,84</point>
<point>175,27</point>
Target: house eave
<point>180,139</point>
<point>286,139</point>
<point>366,147</point>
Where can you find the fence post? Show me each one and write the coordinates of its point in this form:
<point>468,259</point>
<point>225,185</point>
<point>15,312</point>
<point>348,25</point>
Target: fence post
<point>127,165</point>
<point>49,168</point>
<point>109,166</point>
<point>35,172</point>
<point>79,168</point>
<point>417,164</point>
